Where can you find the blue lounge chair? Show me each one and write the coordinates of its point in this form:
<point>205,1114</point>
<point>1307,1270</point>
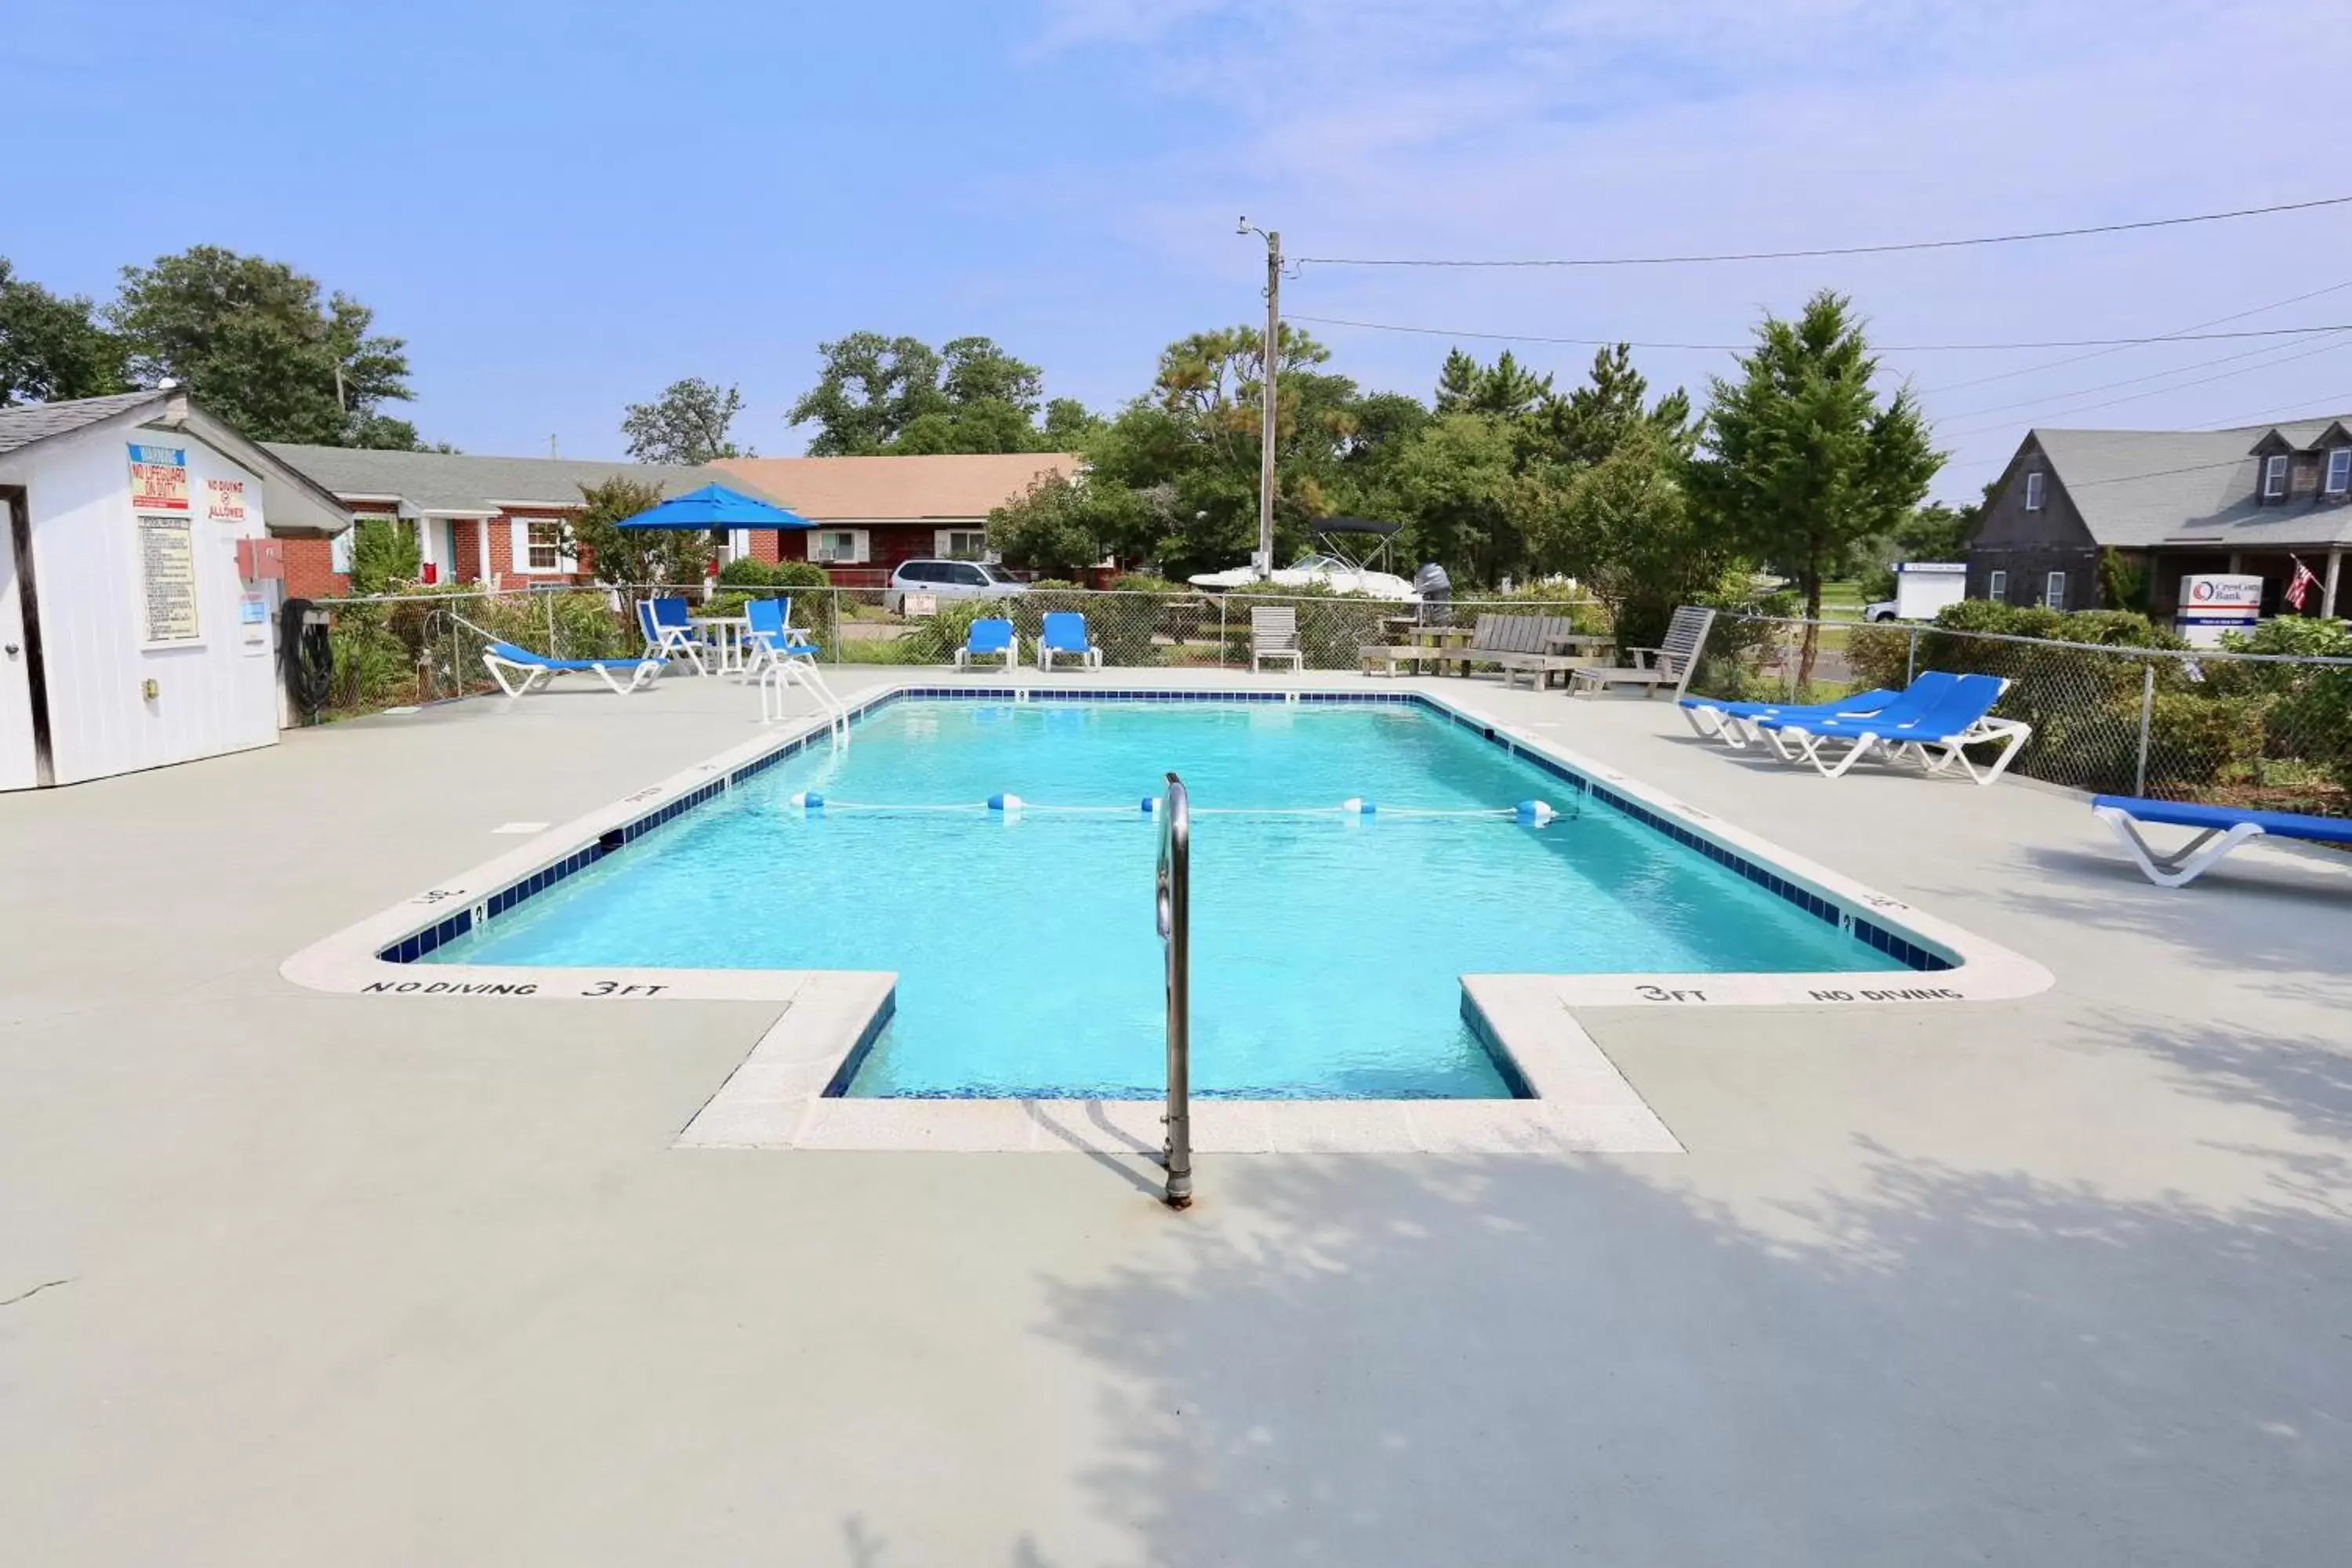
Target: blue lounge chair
<point>1732,722</point>
<point>1064,635</point>
<point>989,636</point>
<point>772,635</point>
<point>1910,703</point>
<point>2219,829</point>
<point>1935,736</point>
<point>670,630</point>
<point>506,663</point>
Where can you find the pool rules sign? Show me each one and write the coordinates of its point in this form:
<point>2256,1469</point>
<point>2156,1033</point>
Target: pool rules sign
<point>167,553</point>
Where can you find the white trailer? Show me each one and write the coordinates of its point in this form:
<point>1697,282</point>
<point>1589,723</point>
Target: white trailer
<point>1921,588</point>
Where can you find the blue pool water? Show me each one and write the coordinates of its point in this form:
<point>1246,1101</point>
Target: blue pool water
<point>1327,948</point>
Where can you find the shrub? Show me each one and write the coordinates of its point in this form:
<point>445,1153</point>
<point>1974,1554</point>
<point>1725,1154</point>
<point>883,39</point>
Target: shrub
<point>373,668</point>
<point>798,574</point>
<point>2201,740</point>
<point>745,572</point>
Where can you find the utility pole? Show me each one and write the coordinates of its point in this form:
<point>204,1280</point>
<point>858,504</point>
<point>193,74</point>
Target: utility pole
<point>1263,560</point>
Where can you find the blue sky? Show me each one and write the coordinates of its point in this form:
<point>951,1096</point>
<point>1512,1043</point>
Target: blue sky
<point>564,207</point>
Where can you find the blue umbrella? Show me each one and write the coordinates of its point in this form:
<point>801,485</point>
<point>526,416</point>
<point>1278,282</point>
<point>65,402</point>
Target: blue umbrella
<point>715,506</point>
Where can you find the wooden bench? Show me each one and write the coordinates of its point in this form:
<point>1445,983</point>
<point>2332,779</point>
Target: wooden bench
<point>1515,645</point>
<point>1668,664</point>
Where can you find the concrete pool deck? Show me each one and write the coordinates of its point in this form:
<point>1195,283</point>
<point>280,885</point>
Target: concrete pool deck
<point>293,1276</point>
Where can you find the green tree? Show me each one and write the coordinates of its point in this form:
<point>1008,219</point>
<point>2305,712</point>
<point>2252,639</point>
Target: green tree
<point>990,425</point>
<point>1061,525</point>
<point>1193,442</point>
<point>250,338</point>
<point>385,555</point>
<point>878,395</point>
<point>1587,425</point>
<point>687,425</point>
<point>1506,389</point>
<point>1625,528</point>
<point>1802,464</point>
<point>871,388</point>
<point>977,371</point>
<point>51,345</point>
<point>1068,423</point>
<point>1457,483</point>
<point>1937,531</point>
<point>666,555</point>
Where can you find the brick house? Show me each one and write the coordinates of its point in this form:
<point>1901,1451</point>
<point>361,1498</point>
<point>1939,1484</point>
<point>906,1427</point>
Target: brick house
<point>497,520</point>
<point>2251,499</point>
<point>870,513</point>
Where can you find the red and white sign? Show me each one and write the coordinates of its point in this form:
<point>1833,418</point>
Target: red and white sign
<point>158,478</point>
<point>2231,599</point>
<point>225,500</point>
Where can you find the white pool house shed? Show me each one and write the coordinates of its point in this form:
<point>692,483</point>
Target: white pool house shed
<point>140,577</point>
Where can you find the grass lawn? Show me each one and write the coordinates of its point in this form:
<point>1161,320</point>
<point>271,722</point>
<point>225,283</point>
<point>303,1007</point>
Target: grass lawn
<point>1842,601</point>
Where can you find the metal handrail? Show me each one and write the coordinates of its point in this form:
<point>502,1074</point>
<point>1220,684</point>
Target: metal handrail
<point>1172,899</point>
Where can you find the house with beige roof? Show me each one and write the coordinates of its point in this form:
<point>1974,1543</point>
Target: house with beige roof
<point>871,513</point>
<point>499,520</point>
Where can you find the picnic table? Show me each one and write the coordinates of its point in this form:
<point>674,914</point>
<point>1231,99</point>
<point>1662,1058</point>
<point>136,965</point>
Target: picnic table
<point>726,636</point>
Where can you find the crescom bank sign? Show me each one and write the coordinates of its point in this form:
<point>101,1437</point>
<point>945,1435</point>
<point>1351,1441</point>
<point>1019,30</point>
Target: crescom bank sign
<point>2222,600</point>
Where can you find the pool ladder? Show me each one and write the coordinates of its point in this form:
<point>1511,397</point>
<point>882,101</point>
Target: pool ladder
<point>1172,901</point>
<point>802,671</point>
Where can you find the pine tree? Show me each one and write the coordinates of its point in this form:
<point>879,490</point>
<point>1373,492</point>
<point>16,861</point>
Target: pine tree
<point>1802,463</point>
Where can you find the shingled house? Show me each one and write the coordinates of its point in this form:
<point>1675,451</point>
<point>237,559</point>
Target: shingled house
<point>2252,500</point>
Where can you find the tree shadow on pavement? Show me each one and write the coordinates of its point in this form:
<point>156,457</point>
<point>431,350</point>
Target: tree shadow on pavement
<point>1501,1360</point>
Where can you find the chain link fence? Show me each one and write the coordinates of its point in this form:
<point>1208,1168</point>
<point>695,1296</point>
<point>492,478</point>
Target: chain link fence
<point>426,645</point>
<point>2262,730</point>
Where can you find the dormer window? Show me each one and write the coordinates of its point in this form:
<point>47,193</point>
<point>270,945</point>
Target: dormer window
<point>2275,476</point>
<point>2340,471</point>
<point>2033,490</point>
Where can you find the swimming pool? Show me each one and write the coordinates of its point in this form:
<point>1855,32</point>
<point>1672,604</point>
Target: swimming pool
<point>1327,946</point>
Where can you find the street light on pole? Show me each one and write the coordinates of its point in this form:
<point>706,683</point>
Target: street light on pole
<point>1263,560</point>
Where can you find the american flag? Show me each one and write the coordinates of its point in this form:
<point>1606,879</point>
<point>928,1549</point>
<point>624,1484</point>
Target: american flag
<point>2300,588</point>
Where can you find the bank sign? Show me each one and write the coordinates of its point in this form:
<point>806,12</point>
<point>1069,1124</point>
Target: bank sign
<point>2221,601</point>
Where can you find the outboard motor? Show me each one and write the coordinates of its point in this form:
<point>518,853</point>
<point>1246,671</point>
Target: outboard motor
<point>1432,587</point>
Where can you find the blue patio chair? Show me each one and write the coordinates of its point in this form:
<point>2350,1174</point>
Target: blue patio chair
<point>772,635</point>
<point>669,629</point>
<point>989,636</point>
<point>1063,635</point>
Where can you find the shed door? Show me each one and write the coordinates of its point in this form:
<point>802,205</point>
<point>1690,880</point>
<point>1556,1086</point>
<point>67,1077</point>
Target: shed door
<point>18,766</point>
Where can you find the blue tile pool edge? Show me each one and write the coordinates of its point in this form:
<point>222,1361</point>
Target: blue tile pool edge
<point>1871,933</point>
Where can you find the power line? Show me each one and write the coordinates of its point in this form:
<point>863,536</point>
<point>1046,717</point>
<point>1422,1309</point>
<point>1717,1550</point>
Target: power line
<point>2178,386</point>
<point>1875,348</point>
<point>2102,354</point>
<point>1832,250</point>
<point>2111,385</point>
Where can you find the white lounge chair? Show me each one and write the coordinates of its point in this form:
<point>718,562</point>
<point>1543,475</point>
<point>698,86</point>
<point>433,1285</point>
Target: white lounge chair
<point>518,670</point>
<point>2219,830</point>
<point>1274,635</point>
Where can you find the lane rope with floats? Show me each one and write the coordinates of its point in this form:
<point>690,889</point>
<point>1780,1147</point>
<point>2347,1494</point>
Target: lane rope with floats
<point>1007,805</point>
